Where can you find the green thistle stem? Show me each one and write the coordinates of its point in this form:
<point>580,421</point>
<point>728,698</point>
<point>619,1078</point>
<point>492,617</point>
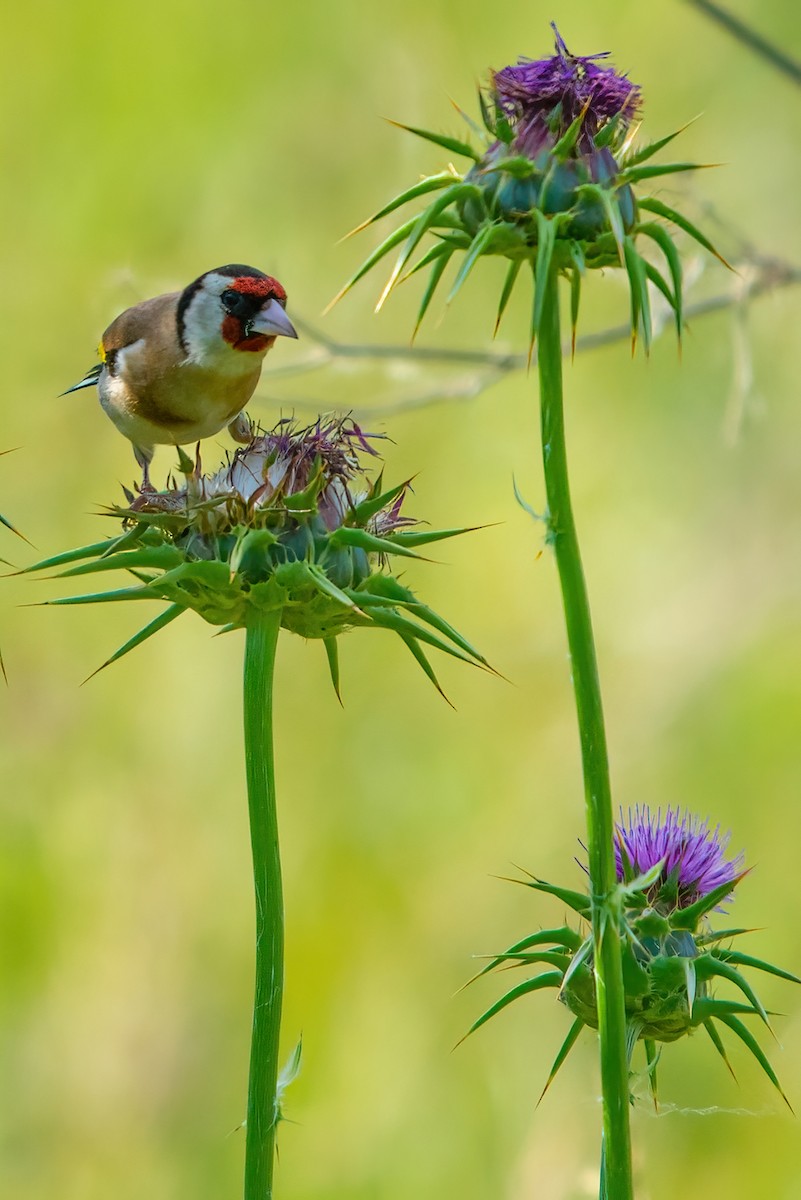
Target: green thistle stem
<point>262,1114</point>
<point>597,792</point>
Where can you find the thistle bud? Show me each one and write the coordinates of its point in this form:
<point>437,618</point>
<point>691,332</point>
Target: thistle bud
<point>673,875</point>
<point>551,184</point>
<point>292,523</point>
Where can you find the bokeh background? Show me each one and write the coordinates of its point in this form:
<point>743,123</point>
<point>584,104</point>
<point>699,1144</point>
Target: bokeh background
<point>143,144</point>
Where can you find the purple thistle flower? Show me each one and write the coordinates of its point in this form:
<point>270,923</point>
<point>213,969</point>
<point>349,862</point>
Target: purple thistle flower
<point>529,92</point>
<point>694,855</point>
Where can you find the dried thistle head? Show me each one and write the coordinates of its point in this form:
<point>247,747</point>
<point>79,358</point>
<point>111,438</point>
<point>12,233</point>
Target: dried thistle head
<point>551,182</point>
<point>674,873</point>
<point>290,522</point>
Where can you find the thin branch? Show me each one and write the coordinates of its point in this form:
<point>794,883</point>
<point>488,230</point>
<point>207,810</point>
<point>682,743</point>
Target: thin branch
<point>749,37</point>
<point>757,277</point>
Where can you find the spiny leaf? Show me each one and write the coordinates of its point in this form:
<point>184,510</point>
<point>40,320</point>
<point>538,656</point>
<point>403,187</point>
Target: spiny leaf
<point>419,656</point>
<point>455,145</point>
<point>746,960</point>
<point>747,1038</point>
<point>437,271</point>
<point>431,255</point>
<point>477,248</point>
<point>575,300</point>
<point>59,560</point>
<point>551,958</point>
<point>579,959</point>
<point>565,936</point>
<point>431,183</point>
<point>706,939</point>
<point>640,300</point>
<point>388,244</point>
<point>566,1047</point>
<point>636,174</point>
<point>162,620</point>
<point>131,593</point>
<point>366,509</point>
<point>389,619</point>
<point>652,148</point>
<point>158,557</point>
<point>546,230</point>
<point>659,282</point>
<point>717,1042</point>
<point>136,536</point>
<point>323,584</point>
<point>707,1007</point>
<point>486,114</point>
<point>690,975</point>
<point>688,918</point>
<point>508,285</point>
<point>651,204</point>
<point>346,535</point>
<point>567,141</point>
<point>708,967</point>
<point>424,222</point>
<point>519,166</point>
<point>578,901</point>
<point>612,210</point>
<point>652,1058</point>
<point>477,130</point>
<point>546,980</point>
<point>660,235</point>
<point>332,655</point>
<point>426,614</point>
<point>424,537</point>
<point>4,521</point>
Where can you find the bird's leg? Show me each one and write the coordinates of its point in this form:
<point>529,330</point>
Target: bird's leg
<point>144,456</point>
<point>241,429</point>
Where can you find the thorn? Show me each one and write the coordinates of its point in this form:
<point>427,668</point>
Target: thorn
<point>335,301</point>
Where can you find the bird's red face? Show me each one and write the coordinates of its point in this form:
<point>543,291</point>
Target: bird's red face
<point>232,308</point>
<point>254,313</point>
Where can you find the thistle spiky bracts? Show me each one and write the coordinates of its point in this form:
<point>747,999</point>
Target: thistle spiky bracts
<point>551,183</point>
<point>673,876</point>
<point>290,522</point>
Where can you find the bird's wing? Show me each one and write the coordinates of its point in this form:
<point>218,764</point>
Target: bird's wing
<point>154,319</point>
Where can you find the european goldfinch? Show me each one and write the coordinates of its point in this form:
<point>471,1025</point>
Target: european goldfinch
<point>179,367</point>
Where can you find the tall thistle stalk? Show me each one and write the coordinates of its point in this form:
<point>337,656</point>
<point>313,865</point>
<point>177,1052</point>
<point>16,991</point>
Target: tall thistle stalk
<point>563,538</point>
<point>289,534</point>
<point>551,186</point>
<point>261,641</point>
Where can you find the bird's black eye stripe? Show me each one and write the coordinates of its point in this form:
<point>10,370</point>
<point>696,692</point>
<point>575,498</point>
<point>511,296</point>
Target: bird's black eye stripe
<point>241,304</point>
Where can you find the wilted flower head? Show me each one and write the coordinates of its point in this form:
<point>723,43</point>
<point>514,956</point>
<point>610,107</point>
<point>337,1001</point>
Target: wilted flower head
<point>691,855</point>
<point>550,184</point>
<point>291,522</point>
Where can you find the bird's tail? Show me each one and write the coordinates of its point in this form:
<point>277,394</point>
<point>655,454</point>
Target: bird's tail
<point>89,380</point>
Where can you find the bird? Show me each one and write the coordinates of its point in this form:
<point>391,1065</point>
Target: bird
<point>179,367</point>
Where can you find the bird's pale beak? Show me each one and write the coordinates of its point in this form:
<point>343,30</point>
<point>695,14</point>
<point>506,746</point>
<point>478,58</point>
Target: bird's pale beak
<point>272,319</point>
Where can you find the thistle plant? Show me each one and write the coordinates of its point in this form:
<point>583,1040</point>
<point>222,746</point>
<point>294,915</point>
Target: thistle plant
<point>290,533</point>
<point>554,183</point>
<point>673,877</point>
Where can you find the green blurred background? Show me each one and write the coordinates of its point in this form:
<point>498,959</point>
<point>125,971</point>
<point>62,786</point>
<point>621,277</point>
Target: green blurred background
<point>143,144</point>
